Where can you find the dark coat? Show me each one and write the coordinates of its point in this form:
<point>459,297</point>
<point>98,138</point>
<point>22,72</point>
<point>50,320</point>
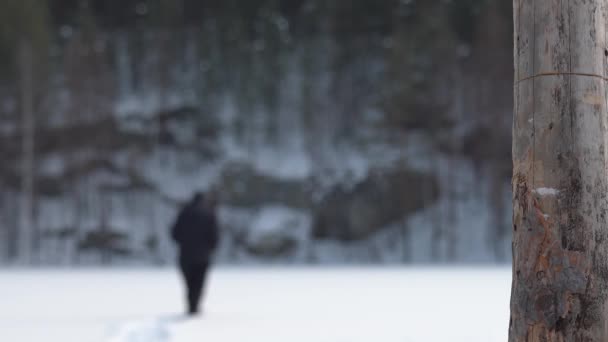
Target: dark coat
<point>196,234</point>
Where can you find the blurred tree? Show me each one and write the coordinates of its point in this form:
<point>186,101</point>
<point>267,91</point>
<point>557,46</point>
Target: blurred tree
<point>163,13</point>
<point>26,82</point>
<point>464,16</point>
<point>420,54</point>
<point>23,21</point>
<point>24,42</point>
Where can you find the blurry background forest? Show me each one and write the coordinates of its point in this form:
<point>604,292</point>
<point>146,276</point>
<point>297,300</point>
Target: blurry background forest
<point>334,131</point>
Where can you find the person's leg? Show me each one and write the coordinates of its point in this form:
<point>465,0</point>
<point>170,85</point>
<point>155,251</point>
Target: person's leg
<point>198,282</point>
<point>203,270</point>
<point>189,275</point>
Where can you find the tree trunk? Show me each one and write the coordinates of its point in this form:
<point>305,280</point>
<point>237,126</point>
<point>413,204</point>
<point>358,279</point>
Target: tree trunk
<point>27,153</point>
<point>560,251</point>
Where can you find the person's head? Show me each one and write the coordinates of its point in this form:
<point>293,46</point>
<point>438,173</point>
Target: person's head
<point>207,201</point>
<point>211,200</point>
<point>198,199</point>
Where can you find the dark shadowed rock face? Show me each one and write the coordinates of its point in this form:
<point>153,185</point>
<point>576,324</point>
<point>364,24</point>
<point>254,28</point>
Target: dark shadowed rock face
<point>381,199</point>
<point>242,186</point>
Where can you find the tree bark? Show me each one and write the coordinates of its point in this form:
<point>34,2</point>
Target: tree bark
<point>560,250</point>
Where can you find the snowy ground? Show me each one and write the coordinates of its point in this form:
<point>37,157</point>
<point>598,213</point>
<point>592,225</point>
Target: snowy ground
<point>257,304</point>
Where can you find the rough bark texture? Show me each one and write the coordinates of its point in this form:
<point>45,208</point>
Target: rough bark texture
<point>560,251</point>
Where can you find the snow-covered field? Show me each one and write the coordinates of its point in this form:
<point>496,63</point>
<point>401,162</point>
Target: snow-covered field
<point>257,304</point>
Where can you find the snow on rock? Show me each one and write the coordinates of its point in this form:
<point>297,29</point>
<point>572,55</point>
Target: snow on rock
<point>277,230</point>
<point>283,163</point>
<point>270,231</point>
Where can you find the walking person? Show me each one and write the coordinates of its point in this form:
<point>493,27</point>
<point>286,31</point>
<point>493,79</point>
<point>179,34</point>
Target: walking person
<point>196,234</point>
